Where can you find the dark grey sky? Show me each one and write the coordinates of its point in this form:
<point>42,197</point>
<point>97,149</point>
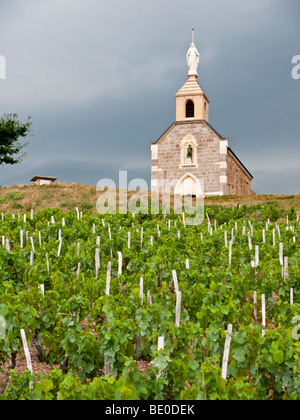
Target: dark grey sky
<point>99,78</point>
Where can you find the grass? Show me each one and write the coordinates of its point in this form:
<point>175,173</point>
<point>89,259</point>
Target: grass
<point>69,196</point>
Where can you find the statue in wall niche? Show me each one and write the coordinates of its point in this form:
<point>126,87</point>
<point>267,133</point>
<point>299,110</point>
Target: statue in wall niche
<point>189,154</point>
<point>192,60</point>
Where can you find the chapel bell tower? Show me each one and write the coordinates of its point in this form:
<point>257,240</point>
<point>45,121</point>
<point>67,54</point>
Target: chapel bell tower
<point>191,101</point>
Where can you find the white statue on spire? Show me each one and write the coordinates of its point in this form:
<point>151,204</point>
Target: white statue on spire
<point>192,60</point>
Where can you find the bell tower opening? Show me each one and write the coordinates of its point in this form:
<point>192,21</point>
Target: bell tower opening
<point>189,109</point>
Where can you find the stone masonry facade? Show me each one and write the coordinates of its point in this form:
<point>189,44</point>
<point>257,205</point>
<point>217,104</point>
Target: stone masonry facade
<point>215,163</point>
<point>211,159</point>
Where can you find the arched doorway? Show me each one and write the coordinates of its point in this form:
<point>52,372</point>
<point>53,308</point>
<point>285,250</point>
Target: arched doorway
<point>189,185</point>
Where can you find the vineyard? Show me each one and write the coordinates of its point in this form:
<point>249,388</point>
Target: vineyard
<point>209,311</point>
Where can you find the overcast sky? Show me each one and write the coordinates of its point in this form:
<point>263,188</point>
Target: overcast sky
<point>99,77</point>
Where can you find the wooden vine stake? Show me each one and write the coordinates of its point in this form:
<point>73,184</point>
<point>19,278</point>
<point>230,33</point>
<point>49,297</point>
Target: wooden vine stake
<point>292,296</point>
<point>160,346</point>
<point>108,278</point>
<point>230,252</point>
<point>31,258</point>
<point>110,248</point>
<point>149,297</point>
<point>178,307</point>
<point>225,238</point>
<point>119,263</point>
<point>32,244</point>
<point>256,255</point>
<point>47,262</point>
<point>285,268</point>
<point>97,261</point>
<point>27,355</point>
<point>138,344</point>
<point>208,219</point>
<point>174,274</point>
<point>128,243</point>
<point>281,253</point>
<point>255,303</point>
<point>160,343</point>
<point>251,228</point>
<point>263,304</point>
<point>141,289</point>
<point>226,352</point>
<point>249,241</point>
<point>42,289</point>
<point>78,270</point>
<point>59,247</point>
<point>142,235</point>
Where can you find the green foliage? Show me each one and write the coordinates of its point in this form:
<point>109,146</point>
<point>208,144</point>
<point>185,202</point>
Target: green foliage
<point>10,131</point>
<point>79,326</point>
<point>14,195</point>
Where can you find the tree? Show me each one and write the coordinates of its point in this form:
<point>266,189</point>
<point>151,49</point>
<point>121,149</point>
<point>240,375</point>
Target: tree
<point>11,129</point>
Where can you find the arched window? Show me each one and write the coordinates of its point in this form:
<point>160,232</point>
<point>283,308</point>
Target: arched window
<point>188,152</point>
<point>189,109</point>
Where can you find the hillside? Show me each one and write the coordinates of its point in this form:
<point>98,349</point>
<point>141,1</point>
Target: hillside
<point>69,196</point>
<point>134,307</point>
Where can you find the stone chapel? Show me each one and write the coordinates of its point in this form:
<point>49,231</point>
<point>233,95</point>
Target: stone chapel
<point>191,157</point>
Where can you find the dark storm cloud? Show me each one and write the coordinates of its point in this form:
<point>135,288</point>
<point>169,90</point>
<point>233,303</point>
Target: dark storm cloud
<point>99,80</point>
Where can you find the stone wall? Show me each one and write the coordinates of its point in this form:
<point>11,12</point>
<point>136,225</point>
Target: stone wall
<point>211,158</point>
<point>237,177</point>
